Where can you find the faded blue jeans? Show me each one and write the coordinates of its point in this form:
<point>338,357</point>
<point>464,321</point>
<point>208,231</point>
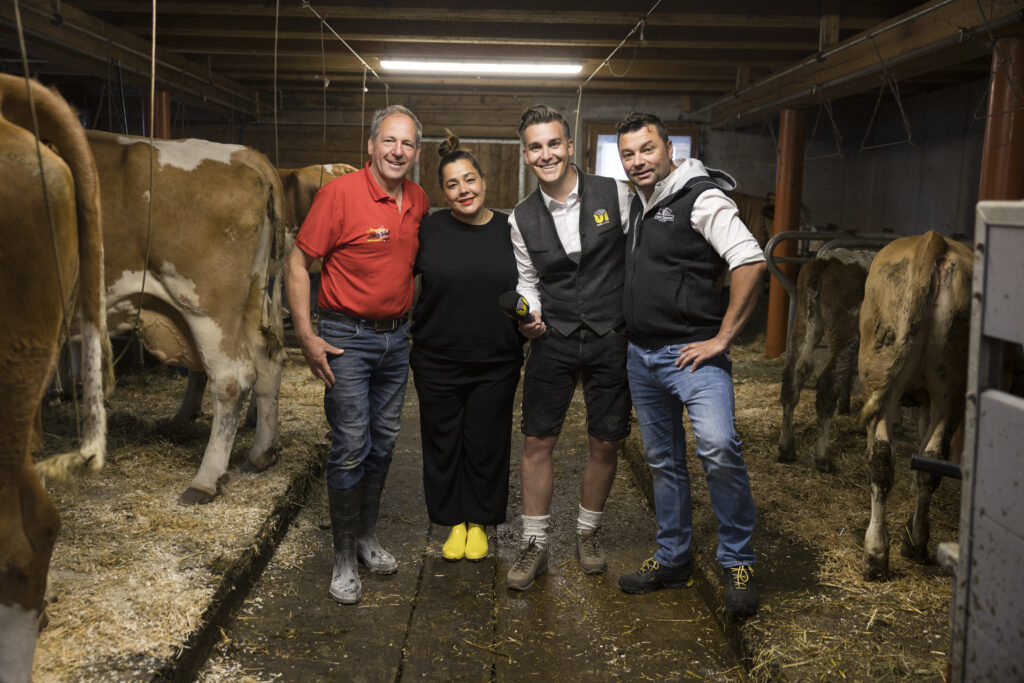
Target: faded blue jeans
<point>364,407</point>
<point>660,390</point>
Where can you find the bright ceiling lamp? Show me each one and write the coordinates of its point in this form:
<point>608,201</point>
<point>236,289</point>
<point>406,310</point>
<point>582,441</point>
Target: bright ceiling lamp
<point>508,68</point>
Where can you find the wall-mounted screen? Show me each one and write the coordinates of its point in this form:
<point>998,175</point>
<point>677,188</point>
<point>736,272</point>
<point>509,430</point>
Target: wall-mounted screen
<point>607,162</point>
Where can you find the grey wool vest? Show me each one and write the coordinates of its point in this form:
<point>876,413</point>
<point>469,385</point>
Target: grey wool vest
<point>585,293</point>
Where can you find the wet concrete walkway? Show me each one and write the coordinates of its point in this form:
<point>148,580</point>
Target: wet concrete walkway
<point>437,620</point>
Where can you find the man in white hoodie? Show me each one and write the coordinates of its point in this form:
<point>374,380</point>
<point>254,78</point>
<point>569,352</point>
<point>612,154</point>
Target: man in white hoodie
<point>683,232</point>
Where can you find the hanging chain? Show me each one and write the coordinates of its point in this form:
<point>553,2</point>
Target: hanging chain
<point>825,105</point>
<point>323,67</point>
<point>888,80</point>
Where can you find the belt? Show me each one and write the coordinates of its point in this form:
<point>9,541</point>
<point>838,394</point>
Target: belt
<point>375,325</point>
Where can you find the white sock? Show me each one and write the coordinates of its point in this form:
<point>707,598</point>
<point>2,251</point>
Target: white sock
<point>536,528</point>
<point>588,520</point>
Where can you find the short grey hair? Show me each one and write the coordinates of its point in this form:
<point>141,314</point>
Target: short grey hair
<point>381,114</point>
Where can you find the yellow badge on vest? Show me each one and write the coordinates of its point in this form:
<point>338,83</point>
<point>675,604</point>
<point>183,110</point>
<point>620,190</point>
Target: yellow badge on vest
<point>601,216</point>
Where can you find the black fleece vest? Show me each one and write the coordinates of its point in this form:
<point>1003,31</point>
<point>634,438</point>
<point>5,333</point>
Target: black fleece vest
<point>585,293</point>
<point>670,295</point>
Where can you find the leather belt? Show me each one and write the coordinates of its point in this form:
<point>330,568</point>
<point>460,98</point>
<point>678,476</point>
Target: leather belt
<point>375,325</point>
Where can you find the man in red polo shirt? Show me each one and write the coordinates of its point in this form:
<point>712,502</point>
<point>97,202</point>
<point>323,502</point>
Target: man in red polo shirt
<point>365,227</point>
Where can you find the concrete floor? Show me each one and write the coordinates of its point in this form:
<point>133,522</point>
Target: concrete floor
<point>436,620</point>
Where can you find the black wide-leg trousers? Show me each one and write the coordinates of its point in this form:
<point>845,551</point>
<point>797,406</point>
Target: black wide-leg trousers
<point>466,429</point>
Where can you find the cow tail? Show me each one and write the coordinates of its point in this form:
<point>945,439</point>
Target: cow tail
<point>59,125</point>
<point>921,285</point>
<point>273,322</point>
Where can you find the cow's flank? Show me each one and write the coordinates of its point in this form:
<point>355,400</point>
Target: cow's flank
<point>213,248</point>
<point>914,329</point>
<point>52,247</point>
<point>829,293</point>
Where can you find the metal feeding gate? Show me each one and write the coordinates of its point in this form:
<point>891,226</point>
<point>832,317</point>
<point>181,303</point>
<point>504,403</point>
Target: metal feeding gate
<point>987,636</point>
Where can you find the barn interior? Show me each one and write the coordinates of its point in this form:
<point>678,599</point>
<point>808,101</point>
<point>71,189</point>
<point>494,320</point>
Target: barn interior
<point>889,105</point>
<point>887,90</point>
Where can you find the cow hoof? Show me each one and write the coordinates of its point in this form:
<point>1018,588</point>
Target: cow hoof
<point>259,464</point>
<point>194,496</point>
<point>913,552</point>
<point>875,569</point>
<point>787,454</point>
<point>825,466</point>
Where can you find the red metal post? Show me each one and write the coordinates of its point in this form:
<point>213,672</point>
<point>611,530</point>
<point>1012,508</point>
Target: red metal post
<point>1002,157</point>
<point>162,115</point>
<point>788,186</point>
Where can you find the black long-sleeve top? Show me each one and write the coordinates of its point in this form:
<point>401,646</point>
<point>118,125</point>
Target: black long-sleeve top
<point>464,269</point>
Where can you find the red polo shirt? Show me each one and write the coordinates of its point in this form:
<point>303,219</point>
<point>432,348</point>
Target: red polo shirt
<point>367,245</point>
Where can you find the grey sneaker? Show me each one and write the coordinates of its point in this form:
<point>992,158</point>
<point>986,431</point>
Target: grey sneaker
<point>532,560</point>
<point>589,552</point>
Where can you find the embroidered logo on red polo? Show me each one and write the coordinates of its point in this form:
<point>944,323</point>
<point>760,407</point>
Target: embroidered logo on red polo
<point>380,234</point>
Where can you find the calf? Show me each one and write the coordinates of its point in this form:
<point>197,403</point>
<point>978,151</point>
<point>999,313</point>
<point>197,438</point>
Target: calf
<point>829,293</point>
<point>914,329</point>
<point>202,269</point>
<point>50,218</point>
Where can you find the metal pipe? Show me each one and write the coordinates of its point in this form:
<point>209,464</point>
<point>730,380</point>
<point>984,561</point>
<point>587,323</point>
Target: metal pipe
<point>771,261</point>
<point>943,468</point>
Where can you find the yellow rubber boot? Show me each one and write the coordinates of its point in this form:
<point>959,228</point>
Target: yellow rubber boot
<point>455,547</point>
<point>476,543</point>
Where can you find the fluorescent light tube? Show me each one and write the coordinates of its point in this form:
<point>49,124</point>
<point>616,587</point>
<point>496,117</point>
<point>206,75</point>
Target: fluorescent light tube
<point>517,68</point>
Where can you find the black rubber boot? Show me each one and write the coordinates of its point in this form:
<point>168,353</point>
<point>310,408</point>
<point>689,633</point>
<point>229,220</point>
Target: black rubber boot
<point>344,506</point>
<point>376,559</point>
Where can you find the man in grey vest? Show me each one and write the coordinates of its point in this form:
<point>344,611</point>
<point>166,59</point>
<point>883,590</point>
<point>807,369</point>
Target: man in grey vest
<point>683,232</point>
<point>568,241</point>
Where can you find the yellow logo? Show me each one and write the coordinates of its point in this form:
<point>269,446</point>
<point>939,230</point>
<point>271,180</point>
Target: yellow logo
<point>601,216</point>
<point>522,308</point>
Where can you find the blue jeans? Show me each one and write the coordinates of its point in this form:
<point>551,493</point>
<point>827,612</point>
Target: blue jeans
<point>364,407</point>
<point>660,390</point>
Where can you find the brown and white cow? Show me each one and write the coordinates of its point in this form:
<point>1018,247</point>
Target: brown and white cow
<point>205,266</point>
<point>53,247</point>
<point>758,214</point>
<point>300,186</point>
<point>829,293</point>
<point>914,329</point>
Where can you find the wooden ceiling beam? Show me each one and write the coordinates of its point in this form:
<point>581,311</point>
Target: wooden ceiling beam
<point>384,14</point>
<point>916,42</point>
<point>169,35</point>
<point>93,46</point>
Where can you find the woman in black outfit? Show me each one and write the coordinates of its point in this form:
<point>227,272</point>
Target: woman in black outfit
<point>466,357</point>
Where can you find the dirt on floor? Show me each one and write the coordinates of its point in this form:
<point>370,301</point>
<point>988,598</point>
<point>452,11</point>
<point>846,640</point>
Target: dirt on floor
<point>133,573</point>
<point>819,619</point>
<point>127,551</point>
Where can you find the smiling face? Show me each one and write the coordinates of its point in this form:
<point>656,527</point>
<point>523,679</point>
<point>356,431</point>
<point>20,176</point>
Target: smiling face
<point>547,150</point>
<point>394,151</point>
<point>464,189</point>
<point>646,158</point>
